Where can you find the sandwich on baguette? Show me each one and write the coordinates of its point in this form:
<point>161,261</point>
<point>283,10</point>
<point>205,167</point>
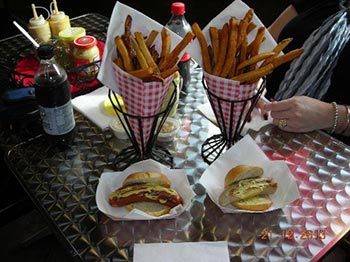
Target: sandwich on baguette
<point>150,192</point>
<point>246,188</point>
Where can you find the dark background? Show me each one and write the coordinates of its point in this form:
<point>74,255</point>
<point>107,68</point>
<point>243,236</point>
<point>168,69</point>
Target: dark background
<point>200,11</point>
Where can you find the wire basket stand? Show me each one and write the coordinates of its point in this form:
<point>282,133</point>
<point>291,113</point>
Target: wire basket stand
<point>146,149</point>
<point>214,146</point>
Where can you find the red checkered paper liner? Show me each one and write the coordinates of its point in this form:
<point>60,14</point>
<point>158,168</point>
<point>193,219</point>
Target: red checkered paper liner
<point>231,91</point>
<point>142,99</point>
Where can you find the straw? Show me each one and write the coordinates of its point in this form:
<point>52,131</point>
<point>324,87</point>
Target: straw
<point>26,34</point>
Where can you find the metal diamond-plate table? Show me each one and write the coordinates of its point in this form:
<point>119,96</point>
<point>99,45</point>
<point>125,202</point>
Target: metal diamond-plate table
<point>63,186</point>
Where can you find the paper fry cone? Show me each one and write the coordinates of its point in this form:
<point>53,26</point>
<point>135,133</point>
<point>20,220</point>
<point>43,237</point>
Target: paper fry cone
<point>142,100</point>
<point>141,23</point>
<point>228,102</point>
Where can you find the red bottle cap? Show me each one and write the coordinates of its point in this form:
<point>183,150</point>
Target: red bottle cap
<point>185,57</point>
<point>85,42</point>
<point>178,8</point>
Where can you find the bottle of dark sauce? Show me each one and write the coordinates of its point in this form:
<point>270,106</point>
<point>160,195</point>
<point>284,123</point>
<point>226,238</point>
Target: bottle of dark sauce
<point>53,95</point>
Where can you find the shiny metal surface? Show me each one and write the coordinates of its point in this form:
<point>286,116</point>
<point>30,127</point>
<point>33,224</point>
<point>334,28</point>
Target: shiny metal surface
<point>63,185</point>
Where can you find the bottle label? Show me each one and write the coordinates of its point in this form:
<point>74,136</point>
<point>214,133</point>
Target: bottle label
<point>57,120</point>
<point>84,61</point>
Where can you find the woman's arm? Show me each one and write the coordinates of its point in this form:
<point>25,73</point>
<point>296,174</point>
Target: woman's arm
<point>276,27</point>
<point>304,114</point>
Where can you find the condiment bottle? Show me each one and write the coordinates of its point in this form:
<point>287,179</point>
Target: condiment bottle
<point>52,92</point>
<point>38,27</point>
<point>86,55</point>
<point>58,20</point>
<point>65,46</point>
<point>179,25</point>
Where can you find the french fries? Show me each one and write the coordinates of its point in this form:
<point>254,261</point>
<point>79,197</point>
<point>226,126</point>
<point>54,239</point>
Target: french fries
<point>137,55</point>
<point>228,54</point>
<point>230,64</point>
<point>204,47</point>
<point>123,51</point>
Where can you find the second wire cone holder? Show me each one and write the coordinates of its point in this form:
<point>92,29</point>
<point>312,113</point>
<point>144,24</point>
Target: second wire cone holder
<point>230,132</point>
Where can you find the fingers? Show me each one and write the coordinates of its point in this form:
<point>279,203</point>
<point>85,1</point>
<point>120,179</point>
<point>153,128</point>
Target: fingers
<point>283,115</point>
<point>283,124</point>
<point>276,106</point>
<point>260,105</point>
<point>279,111</point>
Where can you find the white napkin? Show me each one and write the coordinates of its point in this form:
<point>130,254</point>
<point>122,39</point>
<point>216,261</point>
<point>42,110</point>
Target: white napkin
<point>247,152</point>
<point>182,252</point>
<point>110,181</point>
<point>90,106</point>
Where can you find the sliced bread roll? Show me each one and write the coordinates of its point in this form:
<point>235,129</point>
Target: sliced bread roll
<point>153,209</point>
<point>244,182</point>
<point>256,203</point>
<point>241,172</point>
<point>147,177</point>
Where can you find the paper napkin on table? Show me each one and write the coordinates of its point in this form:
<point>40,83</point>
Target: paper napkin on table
<point>110,181</point>
<point>181,252</point>
<point>90,105</point>
<point>247,152</point>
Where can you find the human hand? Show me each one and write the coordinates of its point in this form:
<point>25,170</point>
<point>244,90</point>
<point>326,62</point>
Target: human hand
<point>301,114</point>
<point>260,105</point>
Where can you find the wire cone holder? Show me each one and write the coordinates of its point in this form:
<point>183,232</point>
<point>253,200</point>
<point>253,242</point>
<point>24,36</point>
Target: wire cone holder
<point>231,117</point>
<point>142,147</point>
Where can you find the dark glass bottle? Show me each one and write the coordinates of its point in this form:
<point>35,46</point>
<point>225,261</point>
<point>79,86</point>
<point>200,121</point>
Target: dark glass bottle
<point>179,25</point>
<point>53,95</point>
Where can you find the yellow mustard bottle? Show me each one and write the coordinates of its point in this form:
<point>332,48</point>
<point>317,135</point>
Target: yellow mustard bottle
<point>38,27</point>
<point>65,45</point>
<point>58,20</point>
<point>86,56</point>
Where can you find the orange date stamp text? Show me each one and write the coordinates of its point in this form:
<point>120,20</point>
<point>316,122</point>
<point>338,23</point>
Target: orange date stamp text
<point>290,234</point>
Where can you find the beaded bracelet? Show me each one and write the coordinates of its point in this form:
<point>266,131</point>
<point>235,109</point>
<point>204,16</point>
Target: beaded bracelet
<point>336,117</point>
<point>347,120</point>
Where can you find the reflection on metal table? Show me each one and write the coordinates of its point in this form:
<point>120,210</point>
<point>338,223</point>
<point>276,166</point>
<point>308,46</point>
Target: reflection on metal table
<point>63,185</point>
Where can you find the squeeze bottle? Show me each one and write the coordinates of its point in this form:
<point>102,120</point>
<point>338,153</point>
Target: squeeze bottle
<point>38,27</point>
<point>58,20</point>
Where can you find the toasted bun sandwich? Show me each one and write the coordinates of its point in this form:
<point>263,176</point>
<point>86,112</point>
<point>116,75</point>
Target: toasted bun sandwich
<point>246,188</point>
<point>150,192</point>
